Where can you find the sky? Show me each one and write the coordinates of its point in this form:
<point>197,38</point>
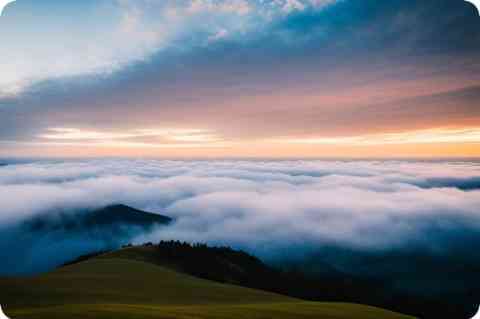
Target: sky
<point>240,78</point>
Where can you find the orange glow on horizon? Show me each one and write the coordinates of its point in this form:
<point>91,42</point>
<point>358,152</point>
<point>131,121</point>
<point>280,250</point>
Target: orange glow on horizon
<point>201,143</point>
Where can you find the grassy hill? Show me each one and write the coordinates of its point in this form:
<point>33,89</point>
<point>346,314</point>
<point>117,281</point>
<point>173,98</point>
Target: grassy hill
<point>116,286</point>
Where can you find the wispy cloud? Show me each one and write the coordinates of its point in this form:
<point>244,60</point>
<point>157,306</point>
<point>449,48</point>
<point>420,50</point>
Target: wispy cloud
<point>428,136</point>
<point>125,32</point>
<point>204,138</point>
<point>140,138</point>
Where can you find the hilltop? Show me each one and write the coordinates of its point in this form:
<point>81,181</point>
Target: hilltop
<point>133,283</point>
<point>109,216</point>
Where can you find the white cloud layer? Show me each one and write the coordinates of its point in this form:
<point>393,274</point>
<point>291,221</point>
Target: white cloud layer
<point>265,207</point>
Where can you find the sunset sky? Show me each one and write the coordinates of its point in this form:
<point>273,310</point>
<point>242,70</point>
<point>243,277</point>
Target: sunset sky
<point>240,78</point>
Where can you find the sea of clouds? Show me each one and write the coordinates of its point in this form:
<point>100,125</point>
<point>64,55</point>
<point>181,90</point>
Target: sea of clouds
<point>274,209</point>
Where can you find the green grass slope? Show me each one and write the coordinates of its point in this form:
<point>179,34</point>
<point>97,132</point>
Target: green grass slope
<point>114,287</point>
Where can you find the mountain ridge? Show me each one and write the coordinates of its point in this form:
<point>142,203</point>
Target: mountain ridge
<point>109,215</point>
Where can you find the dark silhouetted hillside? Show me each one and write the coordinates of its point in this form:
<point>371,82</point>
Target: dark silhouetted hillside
<point>226,265</point>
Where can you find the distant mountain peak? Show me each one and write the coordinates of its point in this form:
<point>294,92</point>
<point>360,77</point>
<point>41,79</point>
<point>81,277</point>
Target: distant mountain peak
<point>111,215</point>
